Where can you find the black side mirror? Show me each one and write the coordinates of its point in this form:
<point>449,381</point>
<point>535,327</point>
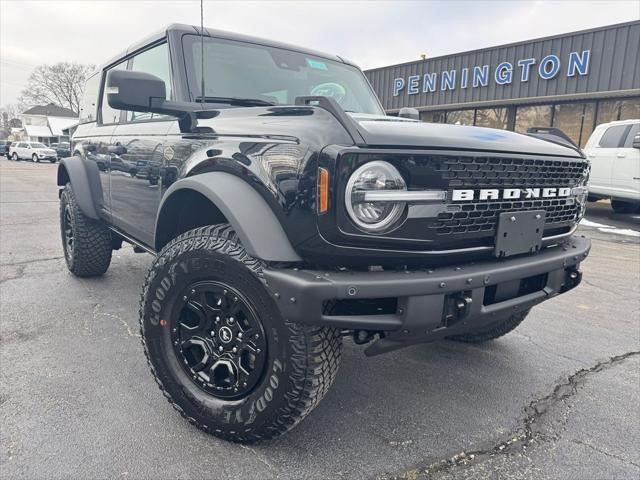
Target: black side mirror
<point>636,141</point>
<point>143,92</point>
<point>408,112</point>
<point>135,91</point>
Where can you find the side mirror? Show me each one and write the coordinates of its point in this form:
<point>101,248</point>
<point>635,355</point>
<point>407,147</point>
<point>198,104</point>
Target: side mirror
<point>135,91</point>
<point>636,141</point>
<point>408,112</point>
<point>143,92</point>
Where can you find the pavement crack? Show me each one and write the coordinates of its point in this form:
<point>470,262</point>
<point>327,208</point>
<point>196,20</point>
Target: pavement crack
<point>97,313</point>
<point>19,273</point>
<point>28,262</point>
<point>258,456</point>
<point>604,452</point>
<point>550,352</point>
<point>527,433</point>
<point>614,292</point>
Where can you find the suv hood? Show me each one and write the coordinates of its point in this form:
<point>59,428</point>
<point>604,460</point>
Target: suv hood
<point>386,131</point>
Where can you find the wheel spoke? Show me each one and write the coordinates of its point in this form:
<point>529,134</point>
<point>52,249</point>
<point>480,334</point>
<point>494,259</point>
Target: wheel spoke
<point>219,340</point>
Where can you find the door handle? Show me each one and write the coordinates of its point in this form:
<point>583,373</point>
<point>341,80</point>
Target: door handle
<point>621,155</point>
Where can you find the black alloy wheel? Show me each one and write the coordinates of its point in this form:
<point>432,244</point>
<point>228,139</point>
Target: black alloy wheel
<point>67,231</point>
<point>219,339</point>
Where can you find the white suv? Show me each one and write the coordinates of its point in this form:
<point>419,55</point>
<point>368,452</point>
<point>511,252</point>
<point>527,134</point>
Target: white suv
<point>35,151</point>
<point>614,152</point>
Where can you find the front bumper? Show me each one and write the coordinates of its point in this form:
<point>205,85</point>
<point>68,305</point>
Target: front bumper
<point>431,304</point>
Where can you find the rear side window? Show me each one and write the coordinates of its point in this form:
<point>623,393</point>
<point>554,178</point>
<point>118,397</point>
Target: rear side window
<point>89,104</point>
<point>635,130</point>
<point>612,137</point>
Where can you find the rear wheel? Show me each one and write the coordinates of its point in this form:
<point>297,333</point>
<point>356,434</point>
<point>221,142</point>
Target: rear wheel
<point>86,242</point>
<point>620,206</point>
<point>492,332</point>
<point>218,347</point>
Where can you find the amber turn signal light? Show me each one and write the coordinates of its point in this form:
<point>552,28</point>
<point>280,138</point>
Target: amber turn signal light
<point>323,190</point>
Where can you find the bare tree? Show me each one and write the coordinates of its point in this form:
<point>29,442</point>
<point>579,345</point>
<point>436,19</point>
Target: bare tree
<point>61,84</point>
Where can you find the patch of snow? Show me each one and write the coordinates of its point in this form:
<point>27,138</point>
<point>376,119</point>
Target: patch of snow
<point>621,231</point>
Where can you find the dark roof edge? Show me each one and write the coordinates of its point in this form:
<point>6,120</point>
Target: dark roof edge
<point>513,44</point>
<point>211,32</point>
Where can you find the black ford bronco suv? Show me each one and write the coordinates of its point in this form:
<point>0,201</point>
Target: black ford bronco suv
<point>286,211</point>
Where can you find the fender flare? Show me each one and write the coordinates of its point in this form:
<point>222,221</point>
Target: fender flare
<point>83,188</point>
<point>248,213</point>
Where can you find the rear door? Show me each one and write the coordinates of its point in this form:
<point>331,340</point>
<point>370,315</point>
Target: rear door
<point>603,155</point>
<point>625,177</point>
<point>138,155</point>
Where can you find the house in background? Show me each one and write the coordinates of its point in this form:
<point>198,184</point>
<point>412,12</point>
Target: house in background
<point>45,124</point>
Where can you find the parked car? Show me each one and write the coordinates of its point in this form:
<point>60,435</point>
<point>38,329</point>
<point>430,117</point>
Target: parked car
<point>4,148</point>
<point>292,212</point>
<point>63,149</point>
<point>35,151</point>
<point>614,152</point>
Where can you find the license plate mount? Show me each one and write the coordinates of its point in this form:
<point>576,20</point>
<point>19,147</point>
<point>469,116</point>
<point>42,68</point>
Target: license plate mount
<point>519,232</point>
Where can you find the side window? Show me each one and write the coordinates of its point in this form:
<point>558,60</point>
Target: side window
<point>109,115</point>
<point>156,62</point>
<point>89,103</point>
<point>613,136</point>
<point>635,130</point>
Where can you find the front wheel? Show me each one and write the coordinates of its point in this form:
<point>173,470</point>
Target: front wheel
<point>218,347</point>
<point>493,331</point>
<point>15,157</point>
<point>35,159</point>
<point>620,206</point>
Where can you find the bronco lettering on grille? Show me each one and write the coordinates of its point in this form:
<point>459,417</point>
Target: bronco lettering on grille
<point>509,193</point>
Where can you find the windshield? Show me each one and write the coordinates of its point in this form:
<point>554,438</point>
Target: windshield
<point>274,75</point>
<point>37,145</point>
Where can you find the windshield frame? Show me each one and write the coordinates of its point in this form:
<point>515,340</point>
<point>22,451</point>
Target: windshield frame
<point>192,87</point>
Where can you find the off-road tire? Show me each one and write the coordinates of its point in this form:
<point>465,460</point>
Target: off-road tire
<point>492,332</point>
<point>90,254</point>
<point>301,361</point>
<point>620,206</point>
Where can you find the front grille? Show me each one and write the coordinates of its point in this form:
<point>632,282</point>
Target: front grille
<point>483,216</point>
<point>504,172</point>
<point>463,171</point>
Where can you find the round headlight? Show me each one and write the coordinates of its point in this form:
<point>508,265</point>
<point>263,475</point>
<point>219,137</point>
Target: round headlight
<point>374,176</point>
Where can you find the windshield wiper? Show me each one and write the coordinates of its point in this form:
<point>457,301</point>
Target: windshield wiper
<point>244,102</point>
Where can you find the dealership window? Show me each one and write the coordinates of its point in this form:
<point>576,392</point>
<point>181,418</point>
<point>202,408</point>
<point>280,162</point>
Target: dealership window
<point>630,109</point>
<point>432,117</point>
<point>492,117</point>
<point>460,117</point>
<point>532,116</point>
<point>574,119</point>
<point>611,110</point>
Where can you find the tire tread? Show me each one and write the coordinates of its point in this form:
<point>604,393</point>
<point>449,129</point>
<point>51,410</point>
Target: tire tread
<point>317,350</point>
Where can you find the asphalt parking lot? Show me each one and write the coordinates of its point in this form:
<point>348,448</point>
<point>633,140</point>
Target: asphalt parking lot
<point>557,398</point>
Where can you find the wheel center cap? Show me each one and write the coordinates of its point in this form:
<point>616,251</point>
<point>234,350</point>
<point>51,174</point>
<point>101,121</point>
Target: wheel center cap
<point>225,334</point>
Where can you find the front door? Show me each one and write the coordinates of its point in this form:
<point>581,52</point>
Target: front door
<point>137,159</point>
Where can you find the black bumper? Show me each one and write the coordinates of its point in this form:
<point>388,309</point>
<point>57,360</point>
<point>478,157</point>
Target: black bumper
<point>431,304</point>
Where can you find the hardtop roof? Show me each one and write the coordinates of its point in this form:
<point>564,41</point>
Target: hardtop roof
<point>210,32</point>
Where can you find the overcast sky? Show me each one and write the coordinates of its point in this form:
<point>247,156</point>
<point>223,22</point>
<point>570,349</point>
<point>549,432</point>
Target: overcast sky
<point>370,33</point>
